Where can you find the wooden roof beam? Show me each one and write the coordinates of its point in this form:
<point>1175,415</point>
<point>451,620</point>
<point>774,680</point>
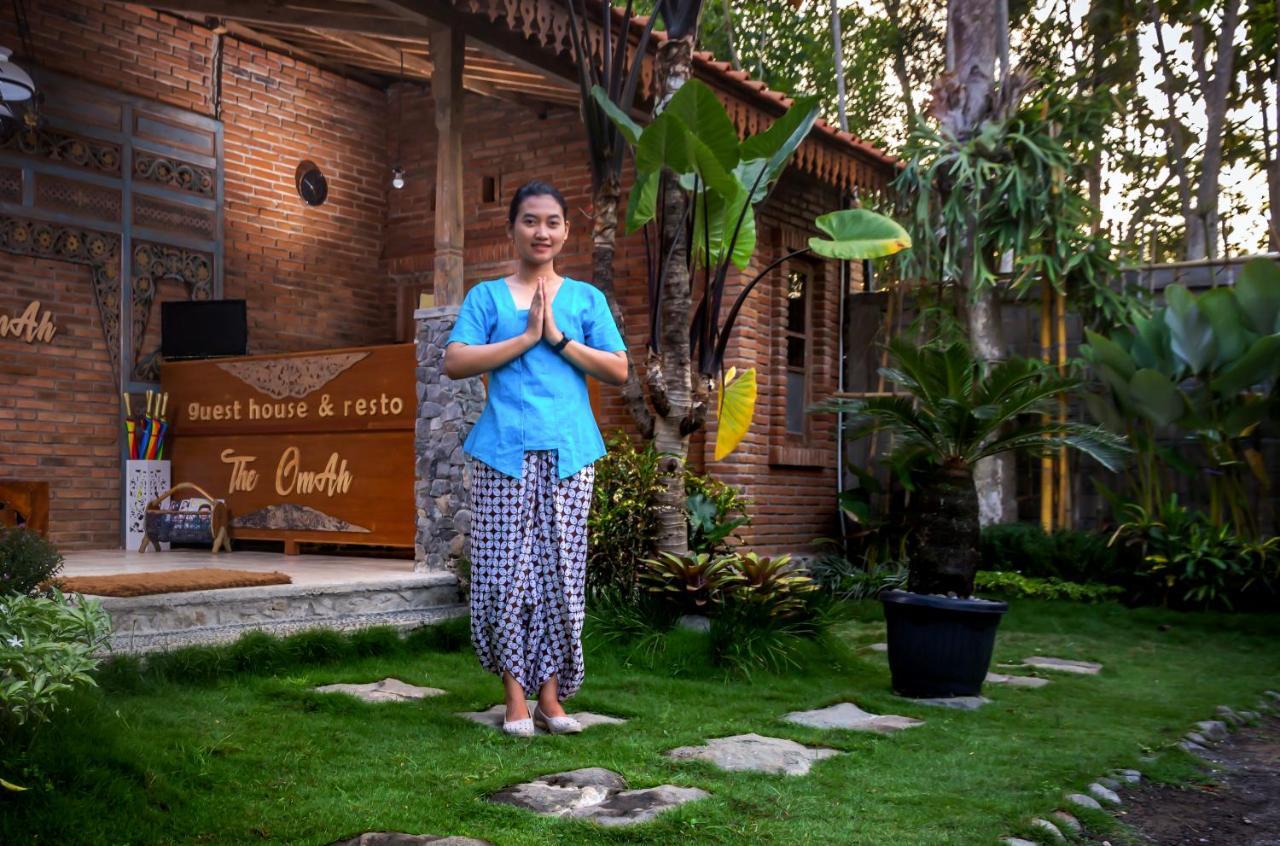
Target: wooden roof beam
<point>338,17</point>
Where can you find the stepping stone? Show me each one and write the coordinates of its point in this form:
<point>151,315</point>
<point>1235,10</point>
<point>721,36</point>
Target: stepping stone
<point>1192,747</point>
<point>879,647</point>
<point>395,838</point>
<point>959,703</point>
<point>1198,739</point>
<point>694,623</point>
<point>846,715</point>
<point>1109,783</point>
<point>1068,821</point>
<point>387,690</point>
<point>495,715</point>
<point>1106,794</point>
<point>595,794</point>
<point>1017,841</point>
<point>755,752</point>
<point>1053,830</point>
<point>1016,681</point>
<point>1084,801</point>
<point>1214,730</point>
<point>1131,776</point>
<point>1230,715</point>
<point>1082,668</point>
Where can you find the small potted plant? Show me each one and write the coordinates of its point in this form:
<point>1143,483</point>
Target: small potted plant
<point>952,411</point>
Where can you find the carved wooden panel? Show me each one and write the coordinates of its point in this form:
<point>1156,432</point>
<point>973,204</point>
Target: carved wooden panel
<point>177,218</point>
<point>83,199</point>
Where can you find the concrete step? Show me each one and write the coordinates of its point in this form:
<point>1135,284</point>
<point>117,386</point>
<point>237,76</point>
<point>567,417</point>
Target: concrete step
<point>171,620</point>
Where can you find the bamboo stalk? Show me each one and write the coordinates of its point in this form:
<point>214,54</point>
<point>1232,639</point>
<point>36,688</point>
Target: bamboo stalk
<point>1046,460</point>
<point>1064,471</point>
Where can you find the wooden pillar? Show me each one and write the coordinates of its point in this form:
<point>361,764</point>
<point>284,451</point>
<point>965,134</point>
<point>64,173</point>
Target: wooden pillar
<point>447,49</point>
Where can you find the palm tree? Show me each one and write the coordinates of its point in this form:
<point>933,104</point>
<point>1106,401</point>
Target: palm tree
<point>956,410</point>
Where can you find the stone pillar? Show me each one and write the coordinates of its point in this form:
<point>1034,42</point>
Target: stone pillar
<point>446,411</point>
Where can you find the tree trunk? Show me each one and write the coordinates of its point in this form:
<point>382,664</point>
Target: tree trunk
<point>673,66</point>
<point>945,555</point>
<point>1215,90</point>
<point>891,8</point>
<point>975,39</point>
<point>604,235</point>
<point>837,51</point>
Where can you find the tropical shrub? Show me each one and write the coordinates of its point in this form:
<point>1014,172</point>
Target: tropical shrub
<point>1181,558</point>
<point>692,583</point>
<point>622,527</point>
<point>1018,586</point>
<point>1206,365</point>
<point>1067,554</point>
<point>954,411</point>
<point>47,649</point>
<point>842,578</point>
<point>716,511</point>
<point>27,561</point>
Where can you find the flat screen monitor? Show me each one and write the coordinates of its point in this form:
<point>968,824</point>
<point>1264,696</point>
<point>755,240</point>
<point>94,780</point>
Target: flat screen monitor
<point>203,329</point>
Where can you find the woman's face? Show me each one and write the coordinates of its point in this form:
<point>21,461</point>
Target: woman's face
<point>540,229</point>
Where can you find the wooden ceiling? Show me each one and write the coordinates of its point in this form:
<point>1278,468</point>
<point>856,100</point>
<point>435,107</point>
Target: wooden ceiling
<point>376,41</point>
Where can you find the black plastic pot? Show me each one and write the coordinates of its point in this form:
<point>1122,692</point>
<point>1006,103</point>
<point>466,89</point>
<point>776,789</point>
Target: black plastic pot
<point>939,647</point>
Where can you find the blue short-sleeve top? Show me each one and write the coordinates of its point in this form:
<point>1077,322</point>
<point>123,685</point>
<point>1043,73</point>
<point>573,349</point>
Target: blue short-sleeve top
<point>539,400</point>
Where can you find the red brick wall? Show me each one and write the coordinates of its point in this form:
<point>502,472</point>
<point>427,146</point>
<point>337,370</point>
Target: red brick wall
<point>58,407</point>
<point>312,276</point>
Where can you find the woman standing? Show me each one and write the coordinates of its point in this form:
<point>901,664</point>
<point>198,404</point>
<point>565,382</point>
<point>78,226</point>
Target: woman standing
<point>538,335</point>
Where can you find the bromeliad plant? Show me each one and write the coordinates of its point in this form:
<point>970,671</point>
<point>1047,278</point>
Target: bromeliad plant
<point>954,411</point>
<point>1207,365</point>
<point>692,582</point>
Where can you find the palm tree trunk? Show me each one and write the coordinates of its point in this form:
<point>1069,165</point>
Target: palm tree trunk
<point>604,235</point>
<point>673,66</point>
<point>945,556</point>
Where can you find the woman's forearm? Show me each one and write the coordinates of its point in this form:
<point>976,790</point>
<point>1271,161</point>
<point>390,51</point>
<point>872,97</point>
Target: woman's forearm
<point>608,367</point>
<point>464,360</point>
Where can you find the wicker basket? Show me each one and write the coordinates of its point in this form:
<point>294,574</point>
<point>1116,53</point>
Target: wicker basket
<point>172,525</point>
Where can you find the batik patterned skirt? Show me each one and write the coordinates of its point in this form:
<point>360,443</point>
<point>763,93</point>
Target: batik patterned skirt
<point>528,571</point>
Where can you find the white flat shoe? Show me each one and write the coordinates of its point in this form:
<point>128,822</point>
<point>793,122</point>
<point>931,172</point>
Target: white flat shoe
<point>518,728</point>
<point>555,725</point>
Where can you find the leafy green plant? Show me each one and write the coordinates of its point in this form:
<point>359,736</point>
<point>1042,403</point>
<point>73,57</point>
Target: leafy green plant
<point>1066,554</point>
<point>1018,586</point>
<point>27,561</point>
<point>47,649</point>
<point>1181,558</point>
<point>842,578</point>
<point>777,586</point>
<point>690,583</point>
<point>1206,365</point>
<point>709,525</point>
<point>954,411</point>
<point>622,527</point>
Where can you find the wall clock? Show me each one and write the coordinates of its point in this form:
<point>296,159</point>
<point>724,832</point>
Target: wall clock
<point>313,188</point>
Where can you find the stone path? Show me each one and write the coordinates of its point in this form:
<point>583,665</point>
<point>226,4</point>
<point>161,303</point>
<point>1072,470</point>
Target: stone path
<point>958,703</point>
<point>756,753</point>
<point>395,838</point>
<point>595,794</point>
<point>848,716</point>
<point>1062,665</point>
<point>387,690</point>
<point>495,715</point>
<point>1016,681</point>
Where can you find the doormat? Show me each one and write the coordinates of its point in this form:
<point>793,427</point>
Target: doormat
<point>169,581</point>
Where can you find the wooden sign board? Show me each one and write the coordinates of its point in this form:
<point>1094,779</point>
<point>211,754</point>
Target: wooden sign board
<point>305,447</point>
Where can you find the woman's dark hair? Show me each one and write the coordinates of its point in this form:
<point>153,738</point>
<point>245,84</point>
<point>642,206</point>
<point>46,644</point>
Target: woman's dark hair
<point>535,188</point>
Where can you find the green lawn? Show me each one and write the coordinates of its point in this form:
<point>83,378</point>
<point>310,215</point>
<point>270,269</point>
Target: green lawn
<point>258,758</point>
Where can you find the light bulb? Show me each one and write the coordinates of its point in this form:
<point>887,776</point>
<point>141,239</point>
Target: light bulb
<point>397,177</point>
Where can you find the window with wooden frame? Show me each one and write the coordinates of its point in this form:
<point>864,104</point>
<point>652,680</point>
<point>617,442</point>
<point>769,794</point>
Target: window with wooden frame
<point>797,339</point>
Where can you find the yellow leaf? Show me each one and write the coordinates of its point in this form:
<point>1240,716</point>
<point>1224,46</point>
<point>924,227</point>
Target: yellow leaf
<point>10,786</point>
<point>736,406</point>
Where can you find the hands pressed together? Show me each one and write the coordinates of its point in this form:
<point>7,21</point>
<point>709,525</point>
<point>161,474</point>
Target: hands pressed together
<point>542,319</point>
